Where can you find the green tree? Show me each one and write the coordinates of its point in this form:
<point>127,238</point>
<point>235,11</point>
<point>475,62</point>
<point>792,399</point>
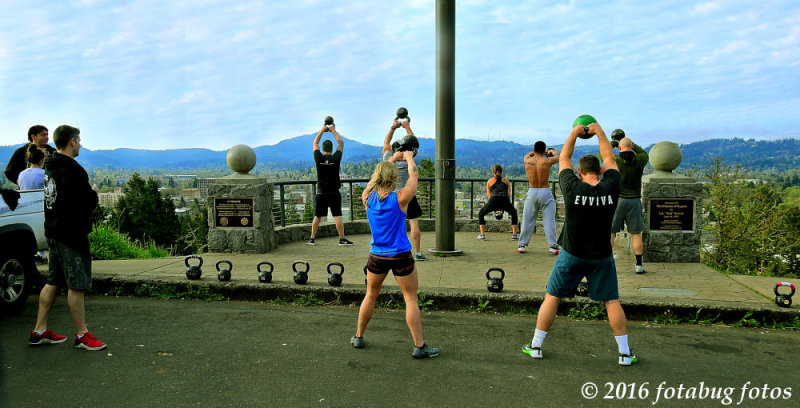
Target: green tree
<point>359,212</point>
<point>753,233</point>
<point>426,191</point>
<point>292,215</point>
<point>193,235</point>
<point>144,214</point>
<point>308,212</point>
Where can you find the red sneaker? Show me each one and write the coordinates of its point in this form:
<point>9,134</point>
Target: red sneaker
<point>88,342</point>
<point>48,337</point>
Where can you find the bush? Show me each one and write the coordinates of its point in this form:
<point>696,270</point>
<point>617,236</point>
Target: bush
<point>107,244</point>
<point>754,234</point>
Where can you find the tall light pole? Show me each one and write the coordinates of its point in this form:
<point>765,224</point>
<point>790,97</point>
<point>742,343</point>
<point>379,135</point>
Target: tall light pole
<point>445,127</point>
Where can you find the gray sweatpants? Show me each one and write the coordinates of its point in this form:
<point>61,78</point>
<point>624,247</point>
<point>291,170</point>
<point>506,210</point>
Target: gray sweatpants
<point>538,198</point>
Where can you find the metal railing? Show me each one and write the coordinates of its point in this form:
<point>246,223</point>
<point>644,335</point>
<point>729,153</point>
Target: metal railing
<point>303,195</point>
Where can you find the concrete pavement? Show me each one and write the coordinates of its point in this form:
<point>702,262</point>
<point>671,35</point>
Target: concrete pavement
<point>453,282</point>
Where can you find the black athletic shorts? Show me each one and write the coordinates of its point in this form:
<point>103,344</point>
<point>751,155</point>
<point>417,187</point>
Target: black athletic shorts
<point>328,200</point>
<point>401,264</point>
<point>413,211</point>
<point>68,267</point>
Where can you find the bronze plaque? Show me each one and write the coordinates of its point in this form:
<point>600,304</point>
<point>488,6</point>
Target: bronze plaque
<point>233,212</point>
<point>671,214</point>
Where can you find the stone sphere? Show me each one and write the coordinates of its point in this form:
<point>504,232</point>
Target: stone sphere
<point>665,156</point>
<point>241,158</point>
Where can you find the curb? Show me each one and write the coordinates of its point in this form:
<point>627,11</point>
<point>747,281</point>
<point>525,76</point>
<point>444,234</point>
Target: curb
<point>446,300</point>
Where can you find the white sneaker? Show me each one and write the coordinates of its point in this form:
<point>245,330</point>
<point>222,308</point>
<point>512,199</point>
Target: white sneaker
<point>639,269</point>
<point>553,250</point>
<point>534,352</point>
<point>522,249</point>
<point>482,237</point>
<point>627,359</point>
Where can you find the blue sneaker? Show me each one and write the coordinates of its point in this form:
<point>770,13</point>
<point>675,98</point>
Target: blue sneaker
<point>425,351</point>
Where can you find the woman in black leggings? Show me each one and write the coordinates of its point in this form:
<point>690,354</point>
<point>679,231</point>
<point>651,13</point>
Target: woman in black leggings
<point>498,188</point>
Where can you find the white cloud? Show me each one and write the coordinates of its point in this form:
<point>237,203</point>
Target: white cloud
<point>706,7</point>
<point>272,68</point>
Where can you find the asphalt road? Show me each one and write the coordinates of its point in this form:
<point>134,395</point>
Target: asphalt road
<point>239,354</point>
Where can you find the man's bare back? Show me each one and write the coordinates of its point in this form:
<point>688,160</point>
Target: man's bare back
<point>537,168</point>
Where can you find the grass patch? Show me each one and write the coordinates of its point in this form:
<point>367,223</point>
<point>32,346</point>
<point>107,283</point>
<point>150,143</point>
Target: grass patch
<point>480,306</point>
<point>109,244</point>
<point>587,311</point>
<point>309,299</point>
<point>173,292</point>
<point>426,304</point>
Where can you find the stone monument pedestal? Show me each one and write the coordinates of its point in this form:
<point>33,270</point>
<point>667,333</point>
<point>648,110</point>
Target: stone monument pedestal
<point>240,208</point>
<point>671,209</point>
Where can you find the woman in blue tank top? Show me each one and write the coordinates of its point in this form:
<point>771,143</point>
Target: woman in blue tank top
<point>391,249</point>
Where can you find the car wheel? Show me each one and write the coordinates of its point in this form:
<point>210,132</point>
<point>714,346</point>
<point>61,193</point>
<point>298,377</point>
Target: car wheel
<point>15,284</point>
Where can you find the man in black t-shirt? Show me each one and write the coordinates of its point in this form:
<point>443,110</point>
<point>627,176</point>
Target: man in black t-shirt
<point>589,204</point>
<point>328,195</point>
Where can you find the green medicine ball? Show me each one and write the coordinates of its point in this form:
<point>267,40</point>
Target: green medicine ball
<point>584,120</point>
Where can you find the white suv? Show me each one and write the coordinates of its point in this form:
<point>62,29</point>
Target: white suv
<point>21,235</point>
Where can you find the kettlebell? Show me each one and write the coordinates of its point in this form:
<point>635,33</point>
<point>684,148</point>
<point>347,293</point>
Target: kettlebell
<point>328,121</point>
<point>300,277</point>
<point>193,272</point>
<point>585,121</point>
<point>495,284</point>
<point>408,143</point>
<point>583,289</point>
<point>498,215</point>
<point>265,276</point>
<point>618,134</point>
<point>334,278</point>
<point>224,275</point>
<point>784,299</point>
<point>365,274</point>
<point>402,113</point>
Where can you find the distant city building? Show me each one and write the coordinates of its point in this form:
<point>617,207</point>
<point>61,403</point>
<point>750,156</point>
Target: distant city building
<point>202,185</point>
<point>110,199</point>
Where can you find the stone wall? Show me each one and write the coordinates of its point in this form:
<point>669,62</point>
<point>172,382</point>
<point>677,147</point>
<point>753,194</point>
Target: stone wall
<point>672,246</point>
<point>259,238</point>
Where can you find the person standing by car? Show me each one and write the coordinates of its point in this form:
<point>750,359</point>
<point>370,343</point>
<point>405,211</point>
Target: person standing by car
<point>69,202</point>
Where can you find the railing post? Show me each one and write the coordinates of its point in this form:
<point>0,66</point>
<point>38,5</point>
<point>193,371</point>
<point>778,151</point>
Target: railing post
<point>471,199</point>
<point>430,198</point>
<point>513,194</point>
<point>351,200</point>
<point>283,208</point>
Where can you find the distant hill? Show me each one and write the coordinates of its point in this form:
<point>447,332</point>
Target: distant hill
<point>295,153</point>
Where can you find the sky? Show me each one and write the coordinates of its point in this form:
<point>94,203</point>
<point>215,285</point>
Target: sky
<point>166,74</point>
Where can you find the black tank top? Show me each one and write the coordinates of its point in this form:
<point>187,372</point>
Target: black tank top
<point>499,188</point>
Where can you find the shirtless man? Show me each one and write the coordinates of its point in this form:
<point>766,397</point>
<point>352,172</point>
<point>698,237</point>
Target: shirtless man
<point>537,168</point>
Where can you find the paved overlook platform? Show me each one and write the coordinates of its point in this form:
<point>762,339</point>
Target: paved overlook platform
<point>457,282</point>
